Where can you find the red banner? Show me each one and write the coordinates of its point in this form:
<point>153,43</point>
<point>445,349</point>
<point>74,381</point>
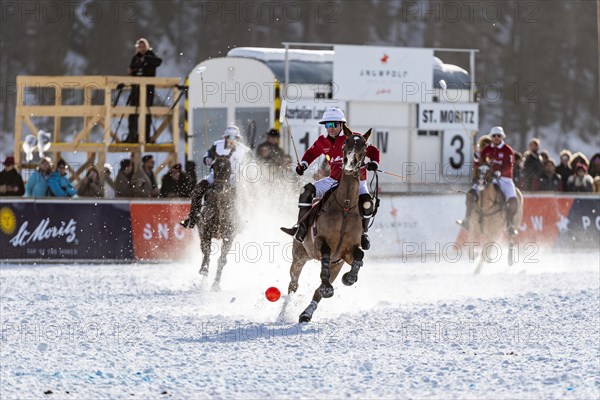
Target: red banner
<point>544,218</point>
<point>156,232</point>
<point>559,222</point>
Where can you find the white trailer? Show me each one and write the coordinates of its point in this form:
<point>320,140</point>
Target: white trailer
<point>425,133</point>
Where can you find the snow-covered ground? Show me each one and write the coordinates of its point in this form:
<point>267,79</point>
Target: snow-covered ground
<point>405,330</point>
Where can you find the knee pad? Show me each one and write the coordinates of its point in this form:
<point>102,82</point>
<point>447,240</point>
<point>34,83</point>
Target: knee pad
<point>366,206</point>
<point>310,188</point>
<point>472,195</point>
<point>308,195</point>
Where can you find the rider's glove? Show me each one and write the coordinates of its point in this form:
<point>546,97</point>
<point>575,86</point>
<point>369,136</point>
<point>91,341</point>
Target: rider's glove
<point>300,168</point>
<point>372,166</point>
<point>208,160</point>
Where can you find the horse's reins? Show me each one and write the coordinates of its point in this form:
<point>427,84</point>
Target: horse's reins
<point>345,208</point>
<point>421,182</point>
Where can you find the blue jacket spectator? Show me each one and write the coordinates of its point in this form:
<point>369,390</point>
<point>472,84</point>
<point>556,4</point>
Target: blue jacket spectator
<point>37,184</point>
<point>58,182</point>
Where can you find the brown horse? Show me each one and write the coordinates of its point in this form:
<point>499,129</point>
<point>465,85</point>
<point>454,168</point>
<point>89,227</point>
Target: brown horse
<point>337,231</point>
<point>217,217</point>
<point>488,218</point>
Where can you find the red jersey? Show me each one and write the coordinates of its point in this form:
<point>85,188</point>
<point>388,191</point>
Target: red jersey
<point>325,145</point>
<point>499,158</point>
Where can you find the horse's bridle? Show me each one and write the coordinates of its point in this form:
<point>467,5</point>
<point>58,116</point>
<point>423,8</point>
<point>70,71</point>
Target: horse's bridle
<point>358,163</point>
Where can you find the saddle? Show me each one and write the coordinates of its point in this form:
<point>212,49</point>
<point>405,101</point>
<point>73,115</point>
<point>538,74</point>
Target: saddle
<point>311,216</point>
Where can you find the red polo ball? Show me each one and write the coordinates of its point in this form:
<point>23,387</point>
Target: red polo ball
<point>272,294</point>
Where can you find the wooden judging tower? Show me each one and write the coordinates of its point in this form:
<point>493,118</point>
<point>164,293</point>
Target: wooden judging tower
<point>102,115</point>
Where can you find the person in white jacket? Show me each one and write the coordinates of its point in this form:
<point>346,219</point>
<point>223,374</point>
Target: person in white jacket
<point>230,144</point>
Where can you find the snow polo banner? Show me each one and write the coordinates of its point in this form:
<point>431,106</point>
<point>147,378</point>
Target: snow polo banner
<point>65,231</point>
<point>559,222</point>
<point>157,234</point>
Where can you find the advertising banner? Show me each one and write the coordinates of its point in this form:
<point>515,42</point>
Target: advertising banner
<point>156,232</point>
<point>70,231</point>
<point>303,116</point>
<point>370,73</point>
<point>558,222</point>
<point>580,229</point>
<point>440,116</point>
<point>65,231</point>
<point>411,225</point>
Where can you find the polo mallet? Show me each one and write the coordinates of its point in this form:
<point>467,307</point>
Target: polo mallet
<point>200,70</point>
<point>283,117</point>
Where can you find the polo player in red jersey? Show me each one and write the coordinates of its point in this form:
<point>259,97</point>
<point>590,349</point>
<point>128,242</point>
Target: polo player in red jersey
<point>500,157</point>
<point>331,145</point>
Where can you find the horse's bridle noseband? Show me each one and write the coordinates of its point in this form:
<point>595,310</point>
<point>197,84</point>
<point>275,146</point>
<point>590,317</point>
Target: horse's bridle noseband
<point>359,163</point>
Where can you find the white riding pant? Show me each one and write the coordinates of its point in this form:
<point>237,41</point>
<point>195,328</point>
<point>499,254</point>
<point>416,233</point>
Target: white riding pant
<point>210,177</point>
<point>323,185</point>
<point>507,186</point>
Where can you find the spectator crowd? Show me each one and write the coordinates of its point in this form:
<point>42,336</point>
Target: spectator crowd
<point>132,180</point>
<point>536,171</point>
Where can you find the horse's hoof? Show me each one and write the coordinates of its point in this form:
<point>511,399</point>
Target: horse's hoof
<point>304,318</point>
<point>326,291</point>
<point>203,271</point>
<point>216,287</point>
<point>349,279</point>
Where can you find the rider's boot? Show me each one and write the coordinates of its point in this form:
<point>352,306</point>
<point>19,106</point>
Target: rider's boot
<point>196,204</point>
<point>470,203</point>
<point>512,207</point>
<point>366,209</point>
<point>300,229</point>
<point>365,243</point>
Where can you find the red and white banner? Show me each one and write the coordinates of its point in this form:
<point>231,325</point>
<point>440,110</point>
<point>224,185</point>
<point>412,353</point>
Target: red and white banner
<point>156,232</point>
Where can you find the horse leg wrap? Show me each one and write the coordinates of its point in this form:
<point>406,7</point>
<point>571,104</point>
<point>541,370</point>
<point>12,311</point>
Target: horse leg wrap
<point>325,274</point>
<point>307,314</point>
<point>326,289</point>
<point>350,278</point>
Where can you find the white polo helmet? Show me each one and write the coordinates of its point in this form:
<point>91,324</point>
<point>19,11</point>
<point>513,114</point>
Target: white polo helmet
<point>232,130</point>
<point>333,114</point>
<point>498,130</point>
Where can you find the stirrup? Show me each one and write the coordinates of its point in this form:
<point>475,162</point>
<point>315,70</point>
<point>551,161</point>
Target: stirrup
<point>464,223</point>
<point>297,232</point>
<point>300,233</point>
<point>512,231</point>
<point>365,243</point>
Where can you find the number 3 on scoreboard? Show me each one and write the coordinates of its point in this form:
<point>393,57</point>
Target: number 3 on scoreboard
<point>459,142</point>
